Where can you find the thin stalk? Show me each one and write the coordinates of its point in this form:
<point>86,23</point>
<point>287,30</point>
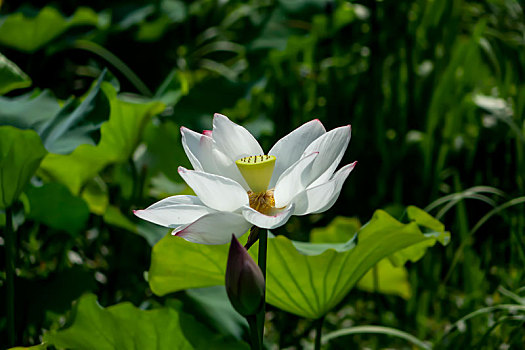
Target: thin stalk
<point>115,62</point>
<point>10,273</point>
<point>254,332</point>
<point>263,244</point>
<point>318,333</point>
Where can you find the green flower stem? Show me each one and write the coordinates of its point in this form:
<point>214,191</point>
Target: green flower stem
<point>318,333</point>
<point>254,332</point>
<point>263,244</point>
<point>10,273</point>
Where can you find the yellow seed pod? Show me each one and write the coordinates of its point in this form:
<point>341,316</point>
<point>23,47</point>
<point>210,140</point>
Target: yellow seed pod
<point>257,171</point>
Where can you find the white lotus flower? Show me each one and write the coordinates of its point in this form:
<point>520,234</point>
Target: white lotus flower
<point>237,186</point>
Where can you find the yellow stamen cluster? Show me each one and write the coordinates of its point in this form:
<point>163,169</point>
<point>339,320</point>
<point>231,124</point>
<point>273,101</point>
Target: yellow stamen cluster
<point>263,202</point>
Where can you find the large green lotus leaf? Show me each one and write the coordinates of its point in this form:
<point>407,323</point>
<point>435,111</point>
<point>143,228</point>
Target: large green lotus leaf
<point>11,77</point>
<point>28,34</point>
<point>120,136</point>
<point>53,205</point>
<point>384,277</point>
<point>416,251</point>
<point>21,152</point>
<point>76,123</point>
<point>177,264</point>
<point>123,326</point>
<point>28,111</point>
<point>306,279</point>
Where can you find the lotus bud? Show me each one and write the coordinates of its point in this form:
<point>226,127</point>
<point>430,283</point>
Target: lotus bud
<point>244,280</point>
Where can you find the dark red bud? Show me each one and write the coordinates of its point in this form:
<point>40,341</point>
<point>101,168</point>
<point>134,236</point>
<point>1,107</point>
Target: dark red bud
<point>244,280</point>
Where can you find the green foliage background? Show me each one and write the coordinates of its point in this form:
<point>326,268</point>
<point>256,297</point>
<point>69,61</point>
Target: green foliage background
<point>435,94</point>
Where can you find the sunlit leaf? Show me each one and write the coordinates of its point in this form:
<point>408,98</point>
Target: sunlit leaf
<point>416,251</point>
<point>53,205</point>
<point>306,279</point>
<point>119,138</point>
<point>177,264</point>
<point>21,152</point>
<point>28,34</point>
<point>11,77</point>
<point>123,326</point>
<point>383,277</point>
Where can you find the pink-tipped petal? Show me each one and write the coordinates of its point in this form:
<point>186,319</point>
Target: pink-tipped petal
<point>289,149</point>
<point>204,156</point>
<point>331,147</point>
<point>215,191</point>
<point>233,140</point>
<point>317,199</point>
<point>198,148</point>
<point>178,199</point>
<point>173,215</point>
<point>174,211</point>
<point>214,228</point>
<point>267,221</point>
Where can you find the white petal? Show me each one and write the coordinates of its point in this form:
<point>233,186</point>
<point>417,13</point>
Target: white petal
<point>234,140</point>
<point>293,180</point>
<point>227,167</point>
<point>199,149</point>
<point>204,156</point>
<point>331,147</point>
<point>214,228</point>
<point>290,148</point>
<point>215,191</point>
<point>173,215</point>
<point>267,221</point>
<point>163,212</point>
<point>191,145</point>
<point>179,199</point>
<point>321,197</point>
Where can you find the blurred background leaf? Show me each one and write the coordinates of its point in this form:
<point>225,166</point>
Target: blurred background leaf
<point>125,326</point>
<point>21,152</point>
<point>30,32</point>
<point>11,77</point>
